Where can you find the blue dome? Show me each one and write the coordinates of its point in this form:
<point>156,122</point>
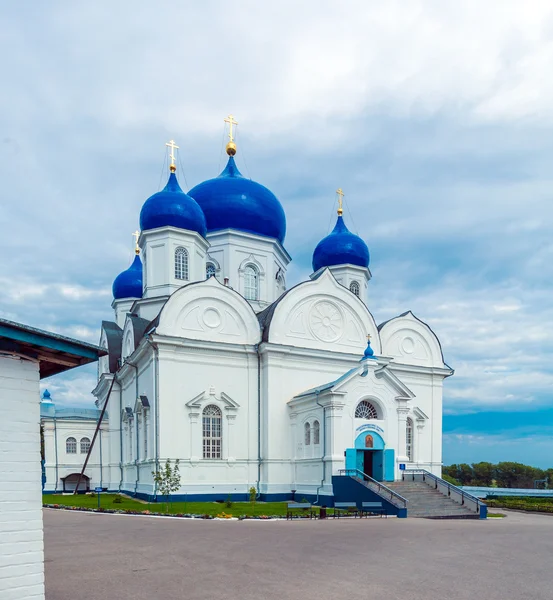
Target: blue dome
<point>369,352</point>
<point>172,207</point>
<point>46,396</point>
<point>128,284</point>
<point>340,247</point>
<point>231,201</point>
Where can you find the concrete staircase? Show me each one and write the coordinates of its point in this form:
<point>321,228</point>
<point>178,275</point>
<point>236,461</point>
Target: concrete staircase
<point>426,502</point>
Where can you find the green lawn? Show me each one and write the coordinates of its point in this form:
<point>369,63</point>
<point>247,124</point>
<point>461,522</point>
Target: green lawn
<point>197,508</point>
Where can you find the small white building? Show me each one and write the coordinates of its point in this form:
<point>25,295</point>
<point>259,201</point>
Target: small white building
<point>26,356</point>
<point>213,361</point>
<point>67,435</point>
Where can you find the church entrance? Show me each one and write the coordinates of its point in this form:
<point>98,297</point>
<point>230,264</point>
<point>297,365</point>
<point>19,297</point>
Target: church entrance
<point>371,457</point>
<point>368,460</point>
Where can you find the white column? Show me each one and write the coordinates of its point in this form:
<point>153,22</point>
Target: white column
<point>402,412</point>
<point>334,446</point>
<point>195,441</point>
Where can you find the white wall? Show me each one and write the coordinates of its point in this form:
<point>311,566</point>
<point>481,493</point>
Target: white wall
<point>21,537</point>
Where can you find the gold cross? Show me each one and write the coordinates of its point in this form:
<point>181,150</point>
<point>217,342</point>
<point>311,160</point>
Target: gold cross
<point>230,120</point>
<point>136,235</point>
<point>173,147</point>
<point>368,337</point>
<point>340,197</point>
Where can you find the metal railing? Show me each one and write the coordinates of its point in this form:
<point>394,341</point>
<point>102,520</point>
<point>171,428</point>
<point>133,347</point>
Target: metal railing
<point>378,487</point>
<point>447,489</point>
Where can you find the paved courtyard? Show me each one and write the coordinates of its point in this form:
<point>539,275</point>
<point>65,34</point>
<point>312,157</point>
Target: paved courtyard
<point>102,557</point>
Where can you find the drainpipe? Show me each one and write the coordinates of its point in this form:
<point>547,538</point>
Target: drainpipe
<point>101,472</point>
<point>56,448</point>
<point>120,434</point>
<point>258,420</point>
<point>323,445</point>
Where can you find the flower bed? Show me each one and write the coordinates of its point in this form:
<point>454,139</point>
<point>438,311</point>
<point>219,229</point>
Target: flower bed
<point>128,511</point>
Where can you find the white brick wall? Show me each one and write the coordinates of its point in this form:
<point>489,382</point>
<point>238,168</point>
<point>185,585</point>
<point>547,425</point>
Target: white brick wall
<point>21,541</point>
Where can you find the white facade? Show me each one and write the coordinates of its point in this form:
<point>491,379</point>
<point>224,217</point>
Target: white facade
<point>67,434</point>
<point>231,392</point>
<point>21,538</point>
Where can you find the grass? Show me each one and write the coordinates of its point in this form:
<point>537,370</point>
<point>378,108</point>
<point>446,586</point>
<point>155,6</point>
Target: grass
<point>528,504</point>
<point>197,508</point>
<point>496,516</point>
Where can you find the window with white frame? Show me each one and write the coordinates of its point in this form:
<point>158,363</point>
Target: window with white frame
<point>85,445</point>
<point>316,432</point>
<point>251,283</point>
<point>307,434</point>
<point>366,410</point>
<point>212,421</point>
<point>409,439</point>
<point>210,270</point>
<point>354,288</point>
<point>181,263</point>
<point>71,445</point>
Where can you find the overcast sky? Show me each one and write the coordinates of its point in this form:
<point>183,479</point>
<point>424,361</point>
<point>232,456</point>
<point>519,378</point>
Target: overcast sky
<point>435,118</point>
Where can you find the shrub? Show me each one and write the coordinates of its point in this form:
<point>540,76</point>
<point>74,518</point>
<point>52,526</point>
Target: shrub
<point>118,499</point>
<point>253,494</point>
<point>228,502</point>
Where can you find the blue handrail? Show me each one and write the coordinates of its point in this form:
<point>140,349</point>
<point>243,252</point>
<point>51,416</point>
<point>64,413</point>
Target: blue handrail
<point>380,486</point>
<point>438,480</point>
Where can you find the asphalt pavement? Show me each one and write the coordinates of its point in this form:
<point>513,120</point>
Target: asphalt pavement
<point>103,557</point>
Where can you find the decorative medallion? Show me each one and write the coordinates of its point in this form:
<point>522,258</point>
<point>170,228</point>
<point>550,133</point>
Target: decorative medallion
<point>408,345</point>
<point>211,318</point>
<point>326,321</point>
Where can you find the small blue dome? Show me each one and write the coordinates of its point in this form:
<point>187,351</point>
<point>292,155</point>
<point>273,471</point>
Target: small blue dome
<point>369,352</point>
<point>340,247</point>
<point>128,284</point>
<point>231,201</point>
<point>172,207</point>
<point>46,395</point>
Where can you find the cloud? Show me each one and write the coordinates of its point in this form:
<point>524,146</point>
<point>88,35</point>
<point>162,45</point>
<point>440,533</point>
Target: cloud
<point>435,118</point>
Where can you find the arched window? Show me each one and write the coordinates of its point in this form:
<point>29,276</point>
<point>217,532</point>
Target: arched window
<point>210,270</point>
<point>71,445</point>
<point>307,434</point>
<point>212,423</point>
<point>354,288</point>
<point>366,410</point>
<point>181,264</point>
<point>251,283</point>
<point>409,439</point>
<point>316,432</point>
<point>85,445</point>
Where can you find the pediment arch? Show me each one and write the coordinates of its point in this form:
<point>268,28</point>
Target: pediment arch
<point>411,341</point>
<point>210,311</point>
<point>323,315</point>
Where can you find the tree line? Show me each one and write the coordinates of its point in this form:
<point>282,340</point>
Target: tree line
<point>503,474</point>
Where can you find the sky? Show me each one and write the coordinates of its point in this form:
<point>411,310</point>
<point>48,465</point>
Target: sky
<point>435,118</point>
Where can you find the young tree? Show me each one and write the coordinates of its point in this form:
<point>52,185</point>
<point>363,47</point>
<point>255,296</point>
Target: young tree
<point>167,480</point>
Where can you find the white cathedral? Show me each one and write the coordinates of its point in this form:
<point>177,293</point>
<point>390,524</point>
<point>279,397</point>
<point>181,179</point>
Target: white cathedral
<point>212,360</point>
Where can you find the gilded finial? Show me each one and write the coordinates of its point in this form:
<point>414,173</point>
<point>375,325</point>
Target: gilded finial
<point>340,197</point>
<point>231,146</point>
<point>173,146</point>
<point>368,337</point>
<point>136,235</point>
